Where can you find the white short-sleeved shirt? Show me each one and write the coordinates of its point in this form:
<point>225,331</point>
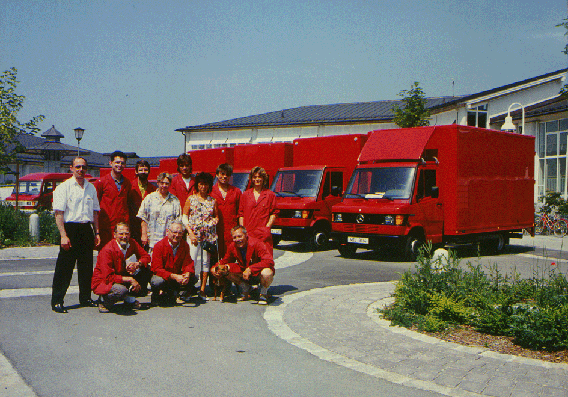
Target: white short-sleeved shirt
<point>77,203</point>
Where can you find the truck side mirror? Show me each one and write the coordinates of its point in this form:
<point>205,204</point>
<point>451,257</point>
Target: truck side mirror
<point>335,191</point>
<point>435,191</point>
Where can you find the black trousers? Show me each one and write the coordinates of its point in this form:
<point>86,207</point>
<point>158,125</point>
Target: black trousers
<point>81,252</point>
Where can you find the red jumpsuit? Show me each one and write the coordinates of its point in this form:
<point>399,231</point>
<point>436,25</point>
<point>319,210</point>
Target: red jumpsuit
<point>180,190</point>
<point>111,265</point>
<point>228,215</point>
<point>135,202</point>
<point>164,263</point>
<point>258,258</point>
<point>256,214</point>
<point>114,206</point>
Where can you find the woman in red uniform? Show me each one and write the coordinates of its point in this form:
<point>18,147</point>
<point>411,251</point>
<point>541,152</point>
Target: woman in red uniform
<point>257,209</point>
<point>227,197</point>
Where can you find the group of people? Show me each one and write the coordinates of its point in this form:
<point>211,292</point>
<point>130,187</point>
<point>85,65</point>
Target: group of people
<point>163,237</point>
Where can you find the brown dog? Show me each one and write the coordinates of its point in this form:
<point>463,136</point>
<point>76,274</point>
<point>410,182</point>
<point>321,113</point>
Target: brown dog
<point>219,280</point>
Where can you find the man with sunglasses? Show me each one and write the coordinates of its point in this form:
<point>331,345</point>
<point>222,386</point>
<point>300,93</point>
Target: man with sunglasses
<point>76,208</point>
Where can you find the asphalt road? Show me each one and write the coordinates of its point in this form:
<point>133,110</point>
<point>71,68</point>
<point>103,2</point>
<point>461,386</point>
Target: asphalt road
<point>211,349</point>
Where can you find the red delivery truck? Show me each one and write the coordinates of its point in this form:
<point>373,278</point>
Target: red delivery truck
<point>306,192</point>
<point>35,191</point>
<point>203,160</point>
<point>207,160</point>
<point>270,156</point>
<point>445,184</point>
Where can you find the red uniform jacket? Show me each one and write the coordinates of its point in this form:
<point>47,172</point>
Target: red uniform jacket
<point>114,206</point>
<point>165,263</point>
<point>111,265</point>
<point>256,214</point>
<point>258,258</point>
<point>135,202</point>
<point>178,189</point>
<point>228,215</point>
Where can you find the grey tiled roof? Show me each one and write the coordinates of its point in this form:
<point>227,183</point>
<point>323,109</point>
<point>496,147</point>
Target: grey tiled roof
<point>341,112</point>
<point>345,112</point>
<point>53,133</point>
<point>29,141</point>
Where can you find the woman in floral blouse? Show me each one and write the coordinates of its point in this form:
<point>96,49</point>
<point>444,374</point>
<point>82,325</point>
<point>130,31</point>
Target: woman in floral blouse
<point>200,217</point>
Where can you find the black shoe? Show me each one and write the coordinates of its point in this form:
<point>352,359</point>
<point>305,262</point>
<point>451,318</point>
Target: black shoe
<point>88,303</point>
<point>58,308</point>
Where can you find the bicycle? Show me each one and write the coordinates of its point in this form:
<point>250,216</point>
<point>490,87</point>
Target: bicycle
<point>548,224</point>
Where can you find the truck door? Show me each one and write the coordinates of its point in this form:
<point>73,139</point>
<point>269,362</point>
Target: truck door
<point>429,212</point>
<point>332,189</point>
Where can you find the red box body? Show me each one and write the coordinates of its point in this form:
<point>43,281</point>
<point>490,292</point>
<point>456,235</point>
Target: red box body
<point>484,181</point>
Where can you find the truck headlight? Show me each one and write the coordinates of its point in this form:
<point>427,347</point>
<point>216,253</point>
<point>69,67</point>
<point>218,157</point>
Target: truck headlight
<point>337,217</point>
<point>301,214</point>
<point>389,220</point>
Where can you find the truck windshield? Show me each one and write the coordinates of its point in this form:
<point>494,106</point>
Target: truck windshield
<point>297,183</point>
<point>383,182</point>
<point>240,180</point>
<point>28,187</point>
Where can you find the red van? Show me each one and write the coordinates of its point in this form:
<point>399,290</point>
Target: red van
<point>306,192</point>
<point>36,190</point>
<point>447,184</point>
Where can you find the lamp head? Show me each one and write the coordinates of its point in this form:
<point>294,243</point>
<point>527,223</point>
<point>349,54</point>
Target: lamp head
<point>508,125</point>
<point>79,133</point>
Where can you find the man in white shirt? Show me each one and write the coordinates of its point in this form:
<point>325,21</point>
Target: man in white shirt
<point>76,209</point>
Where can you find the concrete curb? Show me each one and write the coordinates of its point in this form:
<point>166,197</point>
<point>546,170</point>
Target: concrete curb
<point>276,313</point>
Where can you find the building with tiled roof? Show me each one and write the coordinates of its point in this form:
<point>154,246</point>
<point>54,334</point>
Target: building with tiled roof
<point>545,117</point>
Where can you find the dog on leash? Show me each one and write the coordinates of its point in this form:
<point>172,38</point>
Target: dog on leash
<point>219,280</point>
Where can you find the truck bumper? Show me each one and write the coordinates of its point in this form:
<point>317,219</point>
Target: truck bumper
<point>292,233</point>
<point>368,241</point>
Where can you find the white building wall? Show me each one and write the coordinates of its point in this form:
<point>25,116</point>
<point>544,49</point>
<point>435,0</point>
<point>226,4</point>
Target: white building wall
<point>209,139</point>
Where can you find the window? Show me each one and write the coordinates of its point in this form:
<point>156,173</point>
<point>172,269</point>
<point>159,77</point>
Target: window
<point>477,116</point>
<point>552,149</point>
<point>426,182</point>
<point>337,181</point>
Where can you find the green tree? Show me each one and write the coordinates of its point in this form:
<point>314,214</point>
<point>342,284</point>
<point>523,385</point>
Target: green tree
<point>564,24</point>
<point>413,113</point>
<point>10,104</point>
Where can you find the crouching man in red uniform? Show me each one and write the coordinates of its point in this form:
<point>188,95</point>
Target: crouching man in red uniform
<point>172,266</point>
<point>116,280</point>
<point>249,263</point>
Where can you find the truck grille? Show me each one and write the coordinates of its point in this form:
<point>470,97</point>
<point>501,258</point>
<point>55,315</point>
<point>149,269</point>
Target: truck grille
<point>368,219</point>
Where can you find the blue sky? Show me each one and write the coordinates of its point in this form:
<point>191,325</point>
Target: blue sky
<point>131,72</point>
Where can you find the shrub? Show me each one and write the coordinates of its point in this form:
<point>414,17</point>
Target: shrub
<point>14,226</point>
<point>439,295</point>
<point>541,328</point>
<point>48,231</point>
<point>446,309</point>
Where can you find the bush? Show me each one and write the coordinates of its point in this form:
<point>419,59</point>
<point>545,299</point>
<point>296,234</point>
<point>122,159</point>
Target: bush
<point>440,295</point>
<point>48,231</point>
<point>14,226</point>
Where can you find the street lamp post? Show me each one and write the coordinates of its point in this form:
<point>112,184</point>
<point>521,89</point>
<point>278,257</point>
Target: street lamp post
<point>508,125</point>
<point>79,135</point>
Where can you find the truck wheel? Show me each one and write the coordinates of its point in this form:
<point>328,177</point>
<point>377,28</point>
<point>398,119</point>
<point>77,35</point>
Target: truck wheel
<point>495,245</point>
<point>319,239</point>
<point>411,247</point>
<point>347,250</point>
